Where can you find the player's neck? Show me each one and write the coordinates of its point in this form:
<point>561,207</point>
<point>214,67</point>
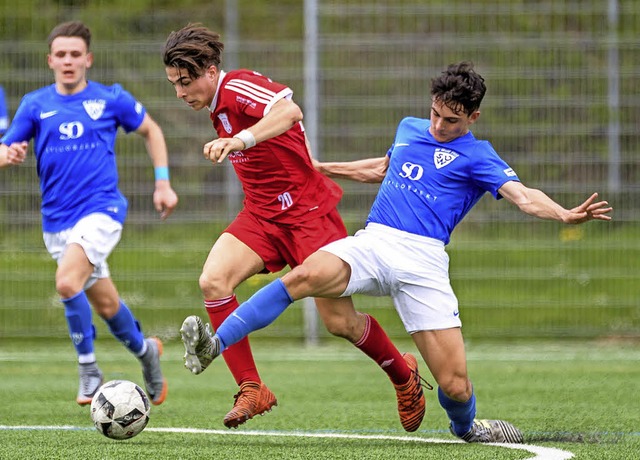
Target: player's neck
<point>68,90</point>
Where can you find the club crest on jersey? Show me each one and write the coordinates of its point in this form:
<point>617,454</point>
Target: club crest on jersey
<point>94,107</point>
<point>224,119</point>
<point>442,157</point>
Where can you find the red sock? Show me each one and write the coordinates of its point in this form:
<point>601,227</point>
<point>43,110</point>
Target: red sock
<point>238,356</point>
<point>376,344</point>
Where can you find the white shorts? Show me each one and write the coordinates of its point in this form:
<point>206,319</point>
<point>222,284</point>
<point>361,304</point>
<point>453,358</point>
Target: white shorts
<point>97,233</point>
<point>412,269</point>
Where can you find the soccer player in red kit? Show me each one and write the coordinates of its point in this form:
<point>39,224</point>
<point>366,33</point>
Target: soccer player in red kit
<point>289,212</point>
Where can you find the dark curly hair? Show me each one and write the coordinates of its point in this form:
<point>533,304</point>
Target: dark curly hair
<point>459,87</point>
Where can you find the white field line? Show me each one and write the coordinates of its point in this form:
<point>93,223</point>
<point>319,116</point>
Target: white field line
<point>541,453</point>
<point>481,353</point>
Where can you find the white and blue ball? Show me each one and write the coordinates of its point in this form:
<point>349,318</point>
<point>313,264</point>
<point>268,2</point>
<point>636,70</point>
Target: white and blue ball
<point>120,409</point>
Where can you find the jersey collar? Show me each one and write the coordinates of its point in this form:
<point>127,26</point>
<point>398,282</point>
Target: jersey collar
<point>221,76</point>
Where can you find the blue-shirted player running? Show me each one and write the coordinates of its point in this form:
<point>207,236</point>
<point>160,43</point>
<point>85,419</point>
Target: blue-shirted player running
<point>74,123</point>
<point>432,175</point>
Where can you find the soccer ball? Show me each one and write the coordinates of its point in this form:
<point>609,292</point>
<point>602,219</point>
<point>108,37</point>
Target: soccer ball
<point>120,409</point>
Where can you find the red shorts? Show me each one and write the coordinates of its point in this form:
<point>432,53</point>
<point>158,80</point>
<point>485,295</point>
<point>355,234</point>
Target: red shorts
<point>279,245</point>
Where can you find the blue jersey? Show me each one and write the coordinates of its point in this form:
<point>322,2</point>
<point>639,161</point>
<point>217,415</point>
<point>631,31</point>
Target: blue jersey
<point>430,186</point>
<point>74,147</point>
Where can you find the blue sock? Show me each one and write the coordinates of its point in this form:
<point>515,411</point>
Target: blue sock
<point>461,414</point>
<point>259,311</point>
<point>126,329</point>
<point>77,311</point>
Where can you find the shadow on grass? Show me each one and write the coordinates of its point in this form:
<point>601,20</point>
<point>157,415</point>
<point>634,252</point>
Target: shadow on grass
<point>581,438</point>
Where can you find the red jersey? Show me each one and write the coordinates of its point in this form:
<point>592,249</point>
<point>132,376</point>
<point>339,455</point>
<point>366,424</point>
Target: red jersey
<point>279,182</point>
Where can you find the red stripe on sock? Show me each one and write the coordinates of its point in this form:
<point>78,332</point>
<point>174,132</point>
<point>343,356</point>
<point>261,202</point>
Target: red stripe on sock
<point>375,343</point>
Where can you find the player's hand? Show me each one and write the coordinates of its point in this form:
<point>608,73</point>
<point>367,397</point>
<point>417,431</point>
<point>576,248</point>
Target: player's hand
<point>17,153</point>
<point>589,210</point>
<point>218,149</point>
<point>164,198</point>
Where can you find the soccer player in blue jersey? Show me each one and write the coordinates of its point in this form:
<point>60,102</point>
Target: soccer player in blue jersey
<point>431,177</point>
<point>74,123</point>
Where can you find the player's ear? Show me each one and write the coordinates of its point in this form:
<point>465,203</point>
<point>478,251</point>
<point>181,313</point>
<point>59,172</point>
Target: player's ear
<point>474,116</point>
<point>212,73</point>
<point>89,59</point>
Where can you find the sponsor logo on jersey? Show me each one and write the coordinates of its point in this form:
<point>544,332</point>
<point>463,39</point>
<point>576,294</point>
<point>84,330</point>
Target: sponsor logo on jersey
<point>244,101</point>
<point>94,107</point>
<point>411,171</point>
<point>49,114</point>
<point>138,107</point>
<point>71,130</point>
<point>224,119</point>
<point>442,157</point>
<point>237,157</point>
<point>510,172</point>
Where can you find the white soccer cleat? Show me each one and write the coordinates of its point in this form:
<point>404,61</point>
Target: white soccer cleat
<point>492,431</point>
<point>200,346</point>
<point>90,381</point>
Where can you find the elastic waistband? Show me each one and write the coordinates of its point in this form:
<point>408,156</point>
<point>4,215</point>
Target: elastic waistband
<point>401,234</point>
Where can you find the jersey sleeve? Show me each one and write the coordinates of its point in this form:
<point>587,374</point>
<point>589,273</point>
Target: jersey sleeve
<point>129,112</point>
<point>254,94</point>
<point>22,127</point>
<point>395,139</point>
<point>489,171</point>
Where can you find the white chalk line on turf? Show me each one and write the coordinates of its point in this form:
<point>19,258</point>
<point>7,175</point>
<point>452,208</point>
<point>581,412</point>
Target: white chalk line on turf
<point>541,453</point>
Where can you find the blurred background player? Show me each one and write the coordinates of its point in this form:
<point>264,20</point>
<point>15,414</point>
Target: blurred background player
<point>289,212</point>
<point>4,112</point>
<point>74,122</point>
<point>431,177</point>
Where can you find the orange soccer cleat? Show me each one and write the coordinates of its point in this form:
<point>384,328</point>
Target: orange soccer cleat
<point>253,399</point>
<point>411,401</point>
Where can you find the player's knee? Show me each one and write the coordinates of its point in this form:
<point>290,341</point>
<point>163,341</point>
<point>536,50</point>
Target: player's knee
<point>66,287</point>
<point>457,388</point>
<point>213,286</point>
<point>299,276</point>
<point>106,307</point>
<point>302,281</point>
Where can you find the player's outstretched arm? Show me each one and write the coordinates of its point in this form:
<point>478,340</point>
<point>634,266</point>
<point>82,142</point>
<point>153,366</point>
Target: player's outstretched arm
<point>13,154</point>
<point>536,203</point>
<point>369,170</point>
<point>589,210</point>
<point>164,198</point>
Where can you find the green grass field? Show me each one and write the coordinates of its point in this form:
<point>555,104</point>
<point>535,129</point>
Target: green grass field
<point>578,282</point>
<point>575,398</point>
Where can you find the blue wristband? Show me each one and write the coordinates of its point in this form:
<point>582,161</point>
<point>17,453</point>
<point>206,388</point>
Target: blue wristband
<point>162,172</point>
